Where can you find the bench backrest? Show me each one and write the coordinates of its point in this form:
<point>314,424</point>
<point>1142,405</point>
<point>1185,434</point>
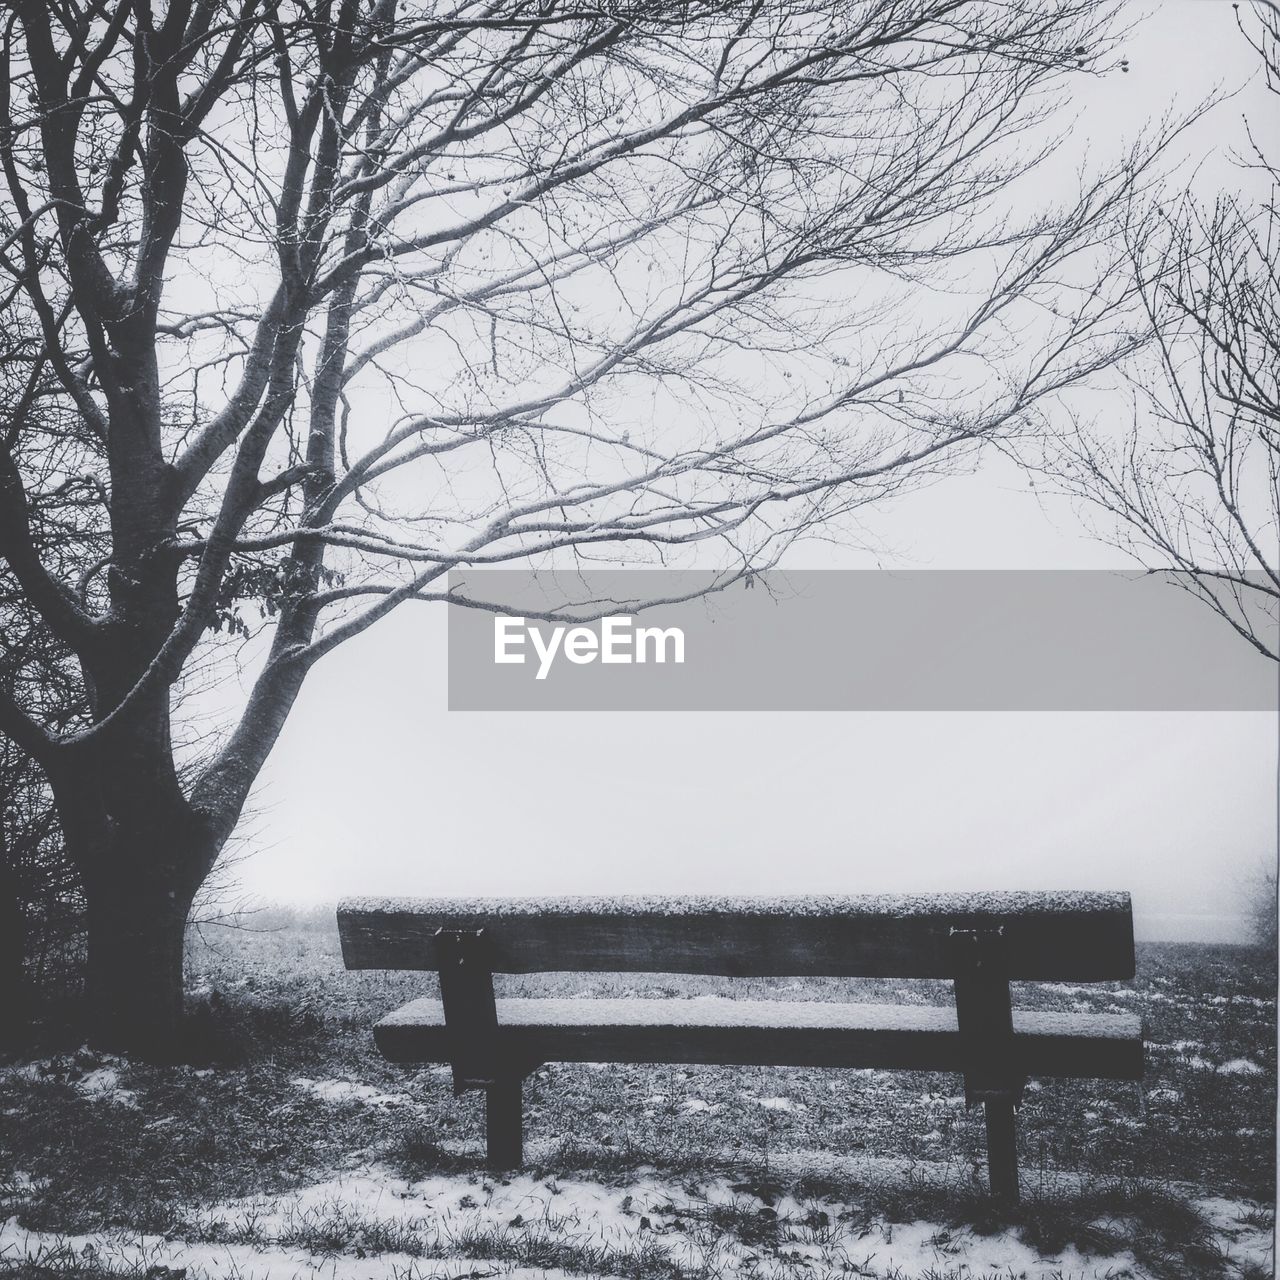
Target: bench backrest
<point>1079,937</point>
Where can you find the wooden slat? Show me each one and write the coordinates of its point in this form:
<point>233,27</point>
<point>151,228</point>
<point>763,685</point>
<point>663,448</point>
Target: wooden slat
<point>1076,937</point>
<point>771,1033</point>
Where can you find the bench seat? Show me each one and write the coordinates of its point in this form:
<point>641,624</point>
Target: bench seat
<point>771,1033</point>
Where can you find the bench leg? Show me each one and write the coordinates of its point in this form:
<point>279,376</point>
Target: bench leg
<point>1002,1149</point>
<point>504,1123</point>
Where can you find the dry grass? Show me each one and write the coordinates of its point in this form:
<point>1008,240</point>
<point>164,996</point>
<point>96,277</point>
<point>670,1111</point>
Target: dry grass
<point>272,1007</point>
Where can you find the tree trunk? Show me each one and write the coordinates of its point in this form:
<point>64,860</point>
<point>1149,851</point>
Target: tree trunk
<point>133,972</point>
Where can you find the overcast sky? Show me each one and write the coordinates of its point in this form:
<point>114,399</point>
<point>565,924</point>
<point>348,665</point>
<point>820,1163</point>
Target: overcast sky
<point>376,788</point>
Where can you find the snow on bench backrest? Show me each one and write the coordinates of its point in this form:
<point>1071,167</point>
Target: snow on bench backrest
<point>1079,937</point>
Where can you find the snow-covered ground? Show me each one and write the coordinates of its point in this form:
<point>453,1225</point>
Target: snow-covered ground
<point>370,1223</point>
<point>1150,1182</point>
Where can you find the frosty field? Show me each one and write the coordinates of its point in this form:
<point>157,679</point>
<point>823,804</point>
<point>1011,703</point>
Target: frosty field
<point>288,1147</point>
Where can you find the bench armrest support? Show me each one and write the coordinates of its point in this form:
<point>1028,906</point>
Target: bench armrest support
<point>984,1015</point>
<point>984,1019</point>
<point>466,991</point>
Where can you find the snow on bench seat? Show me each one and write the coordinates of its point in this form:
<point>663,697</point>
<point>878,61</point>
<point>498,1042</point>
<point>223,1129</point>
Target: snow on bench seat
<point>771,1033</point>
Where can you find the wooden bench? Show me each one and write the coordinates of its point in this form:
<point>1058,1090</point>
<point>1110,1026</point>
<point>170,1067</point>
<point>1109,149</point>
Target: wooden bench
<point>981,942</point>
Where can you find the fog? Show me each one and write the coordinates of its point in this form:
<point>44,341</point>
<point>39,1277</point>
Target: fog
<point>376,787</point>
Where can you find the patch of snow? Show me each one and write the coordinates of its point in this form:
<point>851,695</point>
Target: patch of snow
<point>704,1011</point>
<point>463,911</point>
<point>95,1076</point>
<point>1250,1243</point>
<point>19,1184</point>
<point>347,1091</point>
<point>28,1072</point>
<point>127,1254</point>
<point>618,1221</point>
<point>1222,1212</point>
<point>103,1085</point>
<point>1240,1067</point>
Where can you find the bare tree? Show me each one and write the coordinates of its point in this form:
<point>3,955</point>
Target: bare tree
<point>1262,906</point>
<point>39,892</point>
<point>41,903</point>
<point>328,299</point>
<point>1194,483</point>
